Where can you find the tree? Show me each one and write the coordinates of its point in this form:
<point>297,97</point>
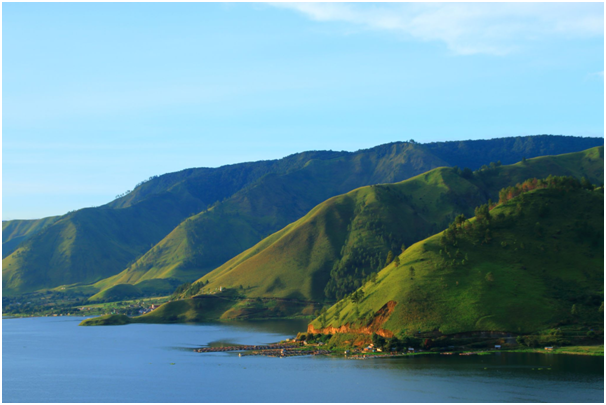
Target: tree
<point>403,248</point>
<point>460,219</point>
<point>490,277</point>
<point>601,310</point>
<point>574,311</point>
<point>397,261</point>
<point>357,296</point>
<point>482,213</point>
<point>322,319</point>
<point>378,341</point>
<point>586,183</point>
<point>467,173</point>
<point>411,270</point>
<point>389,258</point>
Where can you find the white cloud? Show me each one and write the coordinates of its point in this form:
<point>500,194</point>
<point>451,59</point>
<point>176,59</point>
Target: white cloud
<point>466,28</point>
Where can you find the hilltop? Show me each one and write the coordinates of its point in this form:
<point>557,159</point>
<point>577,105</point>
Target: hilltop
<point>533,262</point>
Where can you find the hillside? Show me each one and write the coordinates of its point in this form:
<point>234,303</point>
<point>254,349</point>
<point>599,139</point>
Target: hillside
<point>342,241</point>
<point>328,253</point>
<point>90,244</point>
<point>238,204</point>
<point>17,231</point>
<point>534,262</point>
<point>205,241</point>
<point>211,238</point>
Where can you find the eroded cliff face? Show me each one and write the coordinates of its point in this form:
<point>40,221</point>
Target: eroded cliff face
<point>374,326</point>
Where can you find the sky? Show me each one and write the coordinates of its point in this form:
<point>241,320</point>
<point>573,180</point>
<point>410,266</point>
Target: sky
<point>97,97</point>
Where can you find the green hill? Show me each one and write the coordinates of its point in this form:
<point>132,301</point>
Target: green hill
<point>17,231</point>
<point>534,262</point>
<point>249,201</point>
<point>90,244</point>
<point>342,241</point>
<point>328,253</point>
<point>208,240</point>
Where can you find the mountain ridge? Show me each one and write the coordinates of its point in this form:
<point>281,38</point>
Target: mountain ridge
<point>188,193</point>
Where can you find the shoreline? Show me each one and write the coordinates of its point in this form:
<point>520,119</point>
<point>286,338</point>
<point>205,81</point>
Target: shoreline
<point>339,352</point>
<point>576,350</point>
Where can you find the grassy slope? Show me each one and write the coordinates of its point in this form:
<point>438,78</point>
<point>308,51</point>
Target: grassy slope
<point>194,310</point>
<point>95,243</point>
<point>17,231</point>
<point>206,240</point>
<point>121,292</point>
<point>91,244</point>
<point>295,261</point>
<point>536,278</point>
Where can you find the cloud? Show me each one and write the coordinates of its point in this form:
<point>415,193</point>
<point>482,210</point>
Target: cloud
<point>466,28</point>
<point>595,76</point>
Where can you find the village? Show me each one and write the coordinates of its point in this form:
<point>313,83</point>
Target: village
<point>297,347</point>
<point>294,347</point>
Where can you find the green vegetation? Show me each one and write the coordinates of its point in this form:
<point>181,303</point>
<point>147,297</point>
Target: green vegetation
<point>496,272</point>
<point>17,231</point>
<point>226,305</point>
<point>206,240</point>
<point>65,303</point>
<point>117,293</point>
<point>147,288</point>
<point>597,350</point>
<point>302,261</point>
<point>87,245</point>
<point>223,211</point>
<point>340,244</point>
<point>106,320</point>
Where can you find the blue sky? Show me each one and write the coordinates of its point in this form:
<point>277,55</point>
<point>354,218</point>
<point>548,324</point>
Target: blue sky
<point>99,96</point>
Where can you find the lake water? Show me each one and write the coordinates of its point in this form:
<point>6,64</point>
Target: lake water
<point>54,360</point>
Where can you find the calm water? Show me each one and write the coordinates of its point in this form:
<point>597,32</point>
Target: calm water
<point>54,360</point>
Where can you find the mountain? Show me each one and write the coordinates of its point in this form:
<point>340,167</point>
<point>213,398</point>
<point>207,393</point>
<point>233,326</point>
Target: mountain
<point>89,244</point>
<point>207,240</point>
<point>17,231</point>
<point>179,226</point>
<point>535,261</point>
<point>330,251</point>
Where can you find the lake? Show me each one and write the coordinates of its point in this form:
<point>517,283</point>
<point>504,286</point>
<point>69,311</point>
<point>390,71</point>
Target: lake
<point>54,360</point>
